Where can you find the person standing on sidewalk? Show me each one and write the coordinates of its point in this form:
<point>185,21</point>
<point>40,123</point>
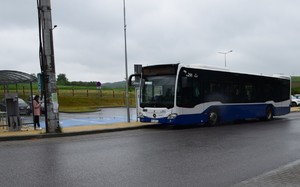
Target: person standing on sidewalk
<point>36,112</point>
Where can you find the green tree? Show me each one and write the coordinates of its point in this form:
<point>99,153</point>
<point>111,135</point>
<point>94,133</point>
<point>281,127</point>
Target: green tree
<point>33,74</point>
<point>62,79</point>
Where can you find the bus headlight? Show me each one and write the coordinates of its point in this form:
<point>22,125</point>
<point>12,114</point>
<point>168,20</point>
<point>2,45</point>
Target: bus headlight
<point>172,116</point>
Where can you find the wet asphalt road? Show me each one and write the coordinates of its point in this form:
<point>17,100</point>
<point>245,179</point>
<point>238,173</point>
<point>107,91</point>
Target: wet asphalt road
<point>197,156</point>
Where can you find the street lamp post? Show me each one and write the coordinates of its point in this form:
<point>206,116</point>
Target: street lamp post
<point>126,66</point>
<point>225,53</point>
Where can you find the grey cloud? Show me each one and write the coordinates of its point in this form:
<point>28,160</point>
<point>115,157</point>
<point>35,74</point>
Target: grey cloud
<point>89,43</point>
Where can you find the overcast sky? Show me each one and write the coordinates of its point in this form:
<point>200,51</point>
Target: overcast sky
<point>89,40</point>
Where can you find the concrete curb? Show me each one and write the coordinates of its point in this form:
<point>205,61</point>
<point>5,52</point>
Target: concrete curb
<point>68,134</point>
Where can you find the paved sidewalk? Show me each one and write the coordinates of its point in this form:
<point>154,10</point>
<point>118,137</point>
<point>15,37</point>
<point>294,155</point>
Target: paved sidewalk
<point>30,133</point>
<point>285,176</point>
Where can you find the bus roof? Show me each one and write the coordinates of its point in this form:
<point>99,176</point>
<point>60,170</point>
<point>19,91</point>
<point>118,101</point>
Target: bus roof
<point>207,67</point>
<point>224,69</point>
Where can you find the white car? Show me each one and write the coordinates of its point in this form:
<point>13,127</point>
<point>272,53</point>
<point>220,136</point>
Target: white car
<point>295,101</point>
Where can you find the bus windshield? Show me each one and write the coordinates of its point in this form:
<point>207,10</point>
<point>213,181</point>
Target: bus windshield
<point>158,91</point>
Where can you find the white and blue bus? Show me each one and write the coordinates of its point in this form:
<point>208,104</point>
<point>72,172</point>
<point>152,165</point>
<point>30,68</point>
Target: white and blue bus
<point>196,94</point>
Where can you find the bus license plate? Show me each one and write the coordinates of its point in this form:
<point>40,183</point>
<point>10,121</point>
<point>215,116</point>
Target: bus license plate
<point>154,121</point>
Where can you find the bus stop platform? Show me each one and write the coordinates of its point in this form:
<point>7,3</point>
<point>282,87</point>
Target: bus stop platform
<point>28,132</point>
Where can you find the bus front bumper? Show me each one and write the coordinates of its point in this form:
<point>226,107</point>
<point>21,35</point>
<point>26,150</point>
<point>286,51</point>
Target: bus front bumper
<point>175,119</point>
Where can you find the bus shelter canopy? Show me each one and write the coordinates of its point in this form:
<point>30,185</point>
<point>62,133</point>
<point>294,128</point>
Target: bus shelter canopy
<point>15,77</point>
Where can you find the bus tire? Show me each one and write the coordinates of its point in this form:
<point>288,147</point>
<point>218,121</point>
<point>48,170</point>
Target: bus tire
<point>269,114</point>
<point>213,118</point>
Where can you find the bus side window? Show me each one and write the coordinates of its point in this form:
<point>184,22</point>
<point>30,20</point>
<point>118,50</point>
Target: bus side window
<point>249,92</point>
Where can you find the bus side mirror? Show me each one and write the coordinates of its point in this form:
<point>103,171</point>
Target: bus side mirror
<point>134,83</point>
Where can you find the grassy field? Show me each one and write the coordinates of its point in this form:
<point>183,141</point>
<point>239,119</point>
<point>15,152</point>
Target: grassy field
<point>81,98</point>
<point>295,79</point>
<point>91,102</point>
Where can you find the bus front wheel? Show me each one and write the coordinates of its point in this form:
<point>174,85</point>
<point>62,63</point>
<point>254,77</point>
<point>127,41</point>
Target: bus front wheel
<point>213,118</point>
<point>269,114</point>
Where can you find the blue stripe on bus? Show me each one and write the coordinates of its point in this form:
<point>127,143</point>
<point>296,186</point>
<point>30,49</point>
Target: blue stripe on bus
<point>226,113</point>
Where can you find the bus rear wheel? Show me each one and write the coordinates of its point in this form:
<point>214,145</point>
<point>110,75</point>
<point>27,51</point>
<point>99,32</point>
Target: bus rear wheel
<point>213,118</point>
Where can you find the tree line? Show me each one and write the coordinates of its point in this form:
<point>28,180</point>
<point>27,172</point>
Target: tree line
<point>63,80</point>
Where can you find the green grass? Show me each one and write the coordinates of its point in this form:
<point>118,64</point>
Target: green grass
<point>87,104</point>
<point>295,79</point>
<point>80,98</point>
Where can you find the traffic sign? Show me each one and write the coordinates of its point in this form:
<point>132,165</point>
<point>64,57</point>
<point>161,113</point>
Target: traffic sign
<point>98,84</point>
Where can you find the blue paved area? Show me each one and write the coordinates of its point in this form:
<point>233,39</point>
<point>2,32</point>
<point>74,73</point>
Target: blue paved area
<point>103,116</point>
<point>90,121</point>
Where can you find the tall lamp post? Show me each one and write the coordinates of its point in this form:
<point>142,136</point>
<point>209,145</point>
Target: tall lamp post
<point>126,68</point>
<point>225,53</point>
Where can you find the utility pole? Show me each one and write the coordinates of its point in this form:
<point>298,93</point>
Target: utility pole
<point>49,91</point>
